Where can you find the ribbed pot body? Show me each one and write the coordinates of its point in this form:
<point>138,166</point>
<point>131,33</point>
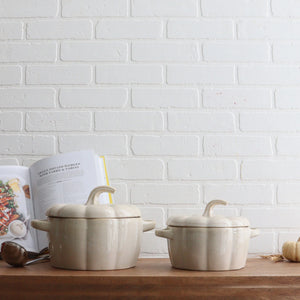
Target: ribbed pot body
<point>208,249</point>
<point>94,244</point>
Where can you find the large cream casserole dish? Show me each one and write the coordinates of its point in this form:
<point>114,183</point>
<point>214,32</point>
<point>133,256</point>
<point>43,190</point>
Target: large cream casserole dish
<point>94,236</point>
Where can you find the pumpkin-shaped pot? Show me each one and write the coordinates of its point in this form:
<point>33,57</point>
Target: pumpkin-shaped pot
<point>207,242</point>
<point>94,236</point>
<point>291,250</point>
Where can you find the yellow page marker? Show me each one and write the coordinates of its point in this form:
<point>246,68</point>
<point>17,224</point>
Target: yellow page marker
<point>107,181</point>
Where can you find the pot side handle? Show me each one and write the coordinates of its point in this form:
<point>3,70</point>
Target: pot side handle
<point>164,233</point>
<point>254,232</point>
<point>43,225</point>
<point>148,225</point>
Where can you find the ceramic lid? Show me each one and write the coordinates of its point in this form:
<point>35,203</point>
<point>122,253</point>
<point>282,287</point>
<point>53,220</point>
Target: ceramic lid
<point>207,219</point>
<point>92,209</point>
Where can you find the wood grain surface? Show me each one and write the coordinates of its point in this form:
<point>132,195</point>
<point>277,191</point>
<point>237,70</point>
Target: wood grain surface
<point>152,279</point>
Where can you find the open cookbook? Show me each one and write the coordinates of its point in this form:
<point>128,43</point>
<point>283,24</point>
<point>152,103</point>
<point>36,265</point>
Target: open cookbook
<point>26,193</point>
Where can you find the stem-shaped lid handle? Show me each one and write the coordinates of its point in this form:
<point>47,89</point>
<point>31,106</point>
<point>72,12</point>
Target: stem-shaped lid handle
<point>95,193</point>
<point>210,205</point>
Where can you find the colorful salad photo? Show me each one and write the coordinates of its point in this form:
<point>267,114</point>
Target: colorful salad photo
<point>11,220</point>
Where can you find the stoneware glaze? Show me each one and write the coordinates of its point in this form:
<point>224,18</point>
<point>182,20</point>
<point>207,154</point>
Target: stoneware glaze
<point>208,243</point>
<point>94,236</point>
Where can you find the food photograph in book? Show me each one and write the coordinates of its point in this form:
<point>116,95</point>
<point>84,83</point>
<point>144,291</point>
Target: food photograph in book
<point>14,217</point>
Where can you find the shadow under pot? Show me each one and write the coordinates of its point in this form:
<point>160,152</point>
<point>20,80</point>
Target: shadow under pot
<point>208,243</point>
<point>94,236</point>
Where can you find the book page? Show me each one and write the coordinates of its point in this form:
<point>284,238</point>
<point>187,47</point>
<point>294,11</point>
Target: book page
<point>16,207</point>
<point>64,178</point>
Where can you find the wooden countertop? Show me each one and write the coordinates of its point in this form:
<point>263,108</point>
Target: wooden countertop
<point>152,278</point>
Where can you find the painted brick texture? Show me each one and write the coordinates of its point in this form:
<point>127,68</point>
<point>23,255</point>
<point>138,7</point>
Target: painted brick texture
<point>189,100</point>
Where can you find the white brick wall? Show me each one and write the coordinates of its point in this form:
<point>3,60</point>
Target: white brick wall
<point>28,8</point>
<point>164,97</point>
<point>164,145</point>
<point>97,51</point>
<point>129,74</point>
<point>286,8</point>
<point>128,29</point>
<point>106,145</point>
<point>237,98</point>
<point>287,98</point>
<point>157,194</point>
<point>268,29</point>
<point>237,146</point>
<point>178,74</point>
<point>201,122</point>
<point>243,194</point>
<point>51,30</point>
<point>164,8</point>
<point>66,74</point>
<point>136,169</point>
<point>190,100</point>
<point>166,51</point>
<point>287,193</point>
<point>278,169</point>
<point>208,169</point>
<point>236,51</point>
<point>27,98</point>
<point>235,8</point>
<point>10,121</point>
<point>94,8</point>
<point>270,121</point>
<point>58,121</point>
<point>10,74</point>
<point>22,144</point>
<point>93,97</point>
<point>129,121</point>
<point>27,52</point>
<point>200,29</point>
<point>288,145</point>
<point>11,30</point>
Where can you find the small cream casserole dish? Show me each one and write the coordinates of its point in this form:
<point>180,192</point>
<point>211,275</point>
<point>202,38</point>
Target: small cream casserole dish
<point>94,236</point>
<point>207,242</point>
